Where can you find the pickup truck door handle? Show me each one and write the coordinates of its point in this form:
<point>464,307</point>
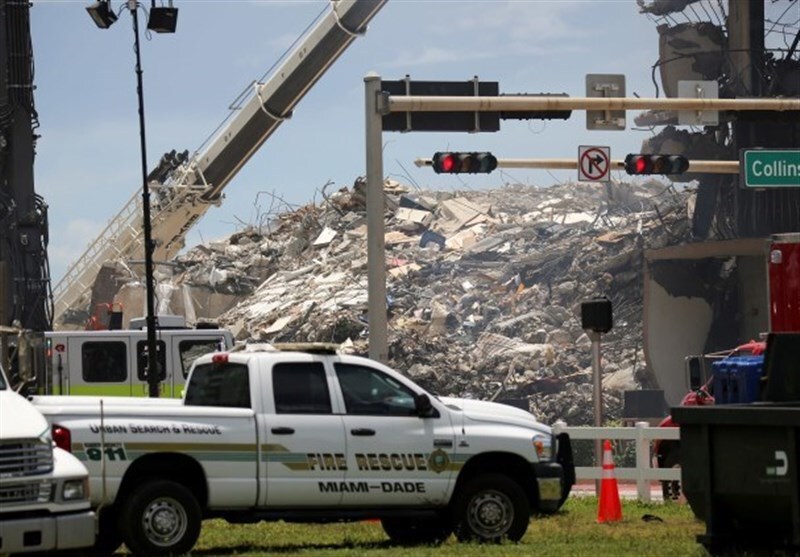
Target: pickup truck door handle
<point>283,430</point>
<point>363,432</point>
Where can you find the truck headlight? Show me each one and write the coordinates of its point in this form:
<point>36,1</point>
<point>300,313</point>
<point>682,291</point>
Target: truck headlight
<point>544,446</point>
<point>74,490</point>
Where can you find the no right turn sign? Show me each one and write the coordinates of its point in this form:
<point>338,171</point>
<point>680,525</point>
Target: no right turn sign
<point>594,163</point>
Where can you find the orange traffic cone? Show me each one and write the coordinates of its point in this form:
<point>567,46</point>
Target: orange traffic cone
<point>608,508</point>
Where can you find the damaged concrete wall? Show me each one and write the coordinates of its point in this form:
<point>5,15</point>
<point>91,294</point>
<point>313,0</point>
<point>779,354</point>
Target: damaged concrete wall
<point>701,298</point>
<point>690,52</point>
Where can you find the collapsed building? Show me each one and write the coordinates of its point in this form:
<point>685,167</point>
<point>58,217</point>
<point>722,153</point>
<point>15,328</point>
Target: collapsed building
<point>704,286</point>
<point>483,287</point>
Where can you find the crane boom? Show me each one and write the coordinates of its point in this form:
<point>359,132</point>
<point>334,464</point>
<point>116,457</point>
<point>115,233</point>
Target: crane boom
<point>184,197</point>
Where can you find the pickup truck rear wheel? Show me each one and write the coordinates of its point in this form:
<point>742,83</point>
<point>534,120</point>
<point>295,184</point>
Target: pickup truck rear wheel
<point>417,531</point>
<point>161,518</point>
<point>491,508</point>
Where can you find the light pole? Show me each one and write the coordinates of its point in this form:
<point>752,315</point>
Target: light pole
<point>597,318</point>
<point>162,20</point>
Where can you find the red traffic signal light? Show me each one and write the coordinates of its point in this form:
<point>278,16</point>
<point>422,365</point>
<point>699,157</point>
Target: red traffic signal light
<point>640,165</point>
<point>463,163</point>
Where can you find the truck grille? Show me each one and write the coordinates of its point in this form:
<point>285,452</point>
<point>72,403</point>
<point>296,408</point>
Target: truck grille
<point>16,494</point>
<point>25,457</point>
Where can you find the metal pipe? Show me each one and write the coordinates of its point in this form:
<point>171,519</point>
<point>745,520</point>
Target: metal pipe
<point>422,103</point>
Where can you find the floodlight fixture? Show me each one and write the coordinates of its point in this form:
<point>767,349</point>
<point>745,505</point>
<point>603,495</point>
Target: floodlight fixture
<point>162,19</point>
<point>102,14</point>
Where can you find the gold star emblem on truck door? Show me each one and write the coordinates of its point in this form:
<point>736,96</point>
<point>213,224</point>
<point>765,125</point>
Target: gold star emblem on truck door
<point>438,461</point>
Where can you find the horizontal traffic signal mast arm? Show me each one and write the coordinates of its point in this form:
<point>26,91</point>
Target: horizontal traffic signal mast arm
<point>395,103</point>
<point>705,167</point>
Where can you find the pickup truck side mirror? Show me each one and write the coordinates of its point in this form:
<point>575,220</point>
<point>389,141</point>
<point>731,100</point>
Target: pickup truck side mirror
<point>424,407</point>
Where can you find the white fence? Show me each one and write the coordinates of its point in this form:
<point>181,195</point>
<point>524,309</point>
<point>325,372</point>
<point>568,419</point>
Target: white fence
<point>642,434</point>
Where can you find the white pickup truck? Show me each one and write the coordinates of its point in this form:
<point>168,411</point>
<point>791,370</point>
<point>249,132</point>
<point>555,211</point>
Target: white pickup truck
<point>44,491</point>
<point>301,433</point>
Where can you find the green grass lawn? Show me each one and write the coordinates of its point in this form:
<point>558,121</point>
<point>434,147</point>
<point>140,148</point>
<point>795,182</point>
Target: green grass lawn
<point>574,531</point>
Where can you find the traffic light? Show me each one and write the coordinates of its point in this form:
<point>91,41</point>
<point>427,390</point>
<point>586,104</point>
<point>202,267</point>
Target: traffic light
<point>641,165</point>
<point>463,163</point>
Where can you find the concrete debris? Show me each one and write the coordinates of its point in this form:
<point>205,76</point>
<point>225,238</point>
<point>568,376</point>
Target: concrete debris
<point>325,237</point>
<point>483,287</point>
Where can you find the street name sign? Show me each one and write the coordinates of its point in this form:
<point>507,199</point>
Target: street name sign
<point>770,168</point>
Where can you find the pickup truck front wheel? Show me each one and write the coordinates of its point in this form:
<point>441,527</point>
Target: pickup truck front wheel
<point>161,518</point>
<point>491,508</point>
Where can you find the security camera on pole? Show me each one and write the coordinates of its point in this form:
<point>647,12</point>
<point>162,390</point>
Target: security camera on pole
<point>597,319</point>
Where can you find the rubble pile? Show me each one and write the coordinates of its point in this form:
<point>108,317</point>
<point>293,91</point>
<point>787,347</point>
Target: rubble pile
<point>483,287</point>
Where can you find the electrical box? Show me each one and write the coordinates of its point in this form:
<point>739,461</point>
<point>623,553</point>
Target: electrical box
<point>596,315</point>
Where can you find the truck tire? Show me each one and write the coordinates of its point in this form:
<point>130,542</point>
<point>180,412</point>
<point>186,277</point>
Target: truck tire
<point>671,490</point>
<point>417,531</point>
<point>160,518</point>
<point>109,537</point>
<point>491,508</point>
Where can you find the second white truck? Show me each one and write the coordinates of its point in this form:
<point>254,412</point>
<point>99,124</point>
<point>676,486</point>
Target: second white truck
<point>44,490</point>
<point>306,434</point>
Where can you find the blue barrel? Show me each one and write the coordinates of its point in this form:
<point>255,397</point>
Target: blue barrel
<point>720,382</point>
<point>737,379</point>
<point>734,380</point>
<point>748,378</point>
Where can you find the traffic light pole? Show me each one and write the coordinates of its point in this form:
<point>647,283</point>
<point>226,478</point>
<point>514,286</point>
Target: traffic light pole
<point>380,103</point>
<point>376,228</point>
<point>705,167</point>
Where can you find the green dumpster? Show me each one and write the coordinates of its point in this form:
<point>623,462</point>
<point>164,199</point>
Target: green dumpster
<point>739,473</point>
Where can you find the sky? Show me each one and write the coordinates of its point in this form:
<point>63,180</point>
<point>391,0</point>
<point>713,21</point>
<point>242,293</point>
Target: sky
<point>88,161</point>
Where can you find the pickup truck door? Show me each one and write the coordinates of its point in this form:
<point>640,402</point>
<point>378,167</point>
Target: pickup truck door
<point>394,457</point>
<point>303,457</point>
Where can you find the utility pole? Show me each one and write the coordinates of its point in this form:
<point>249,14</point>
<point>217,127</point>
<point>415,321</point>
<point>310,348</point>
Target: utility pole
<point>26,305</point>
<point>25,299</point>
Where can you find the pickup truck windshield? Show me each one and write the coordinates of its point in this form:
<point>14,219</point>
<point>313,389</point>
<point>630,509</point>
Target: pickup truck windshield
<point>221,384</point>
